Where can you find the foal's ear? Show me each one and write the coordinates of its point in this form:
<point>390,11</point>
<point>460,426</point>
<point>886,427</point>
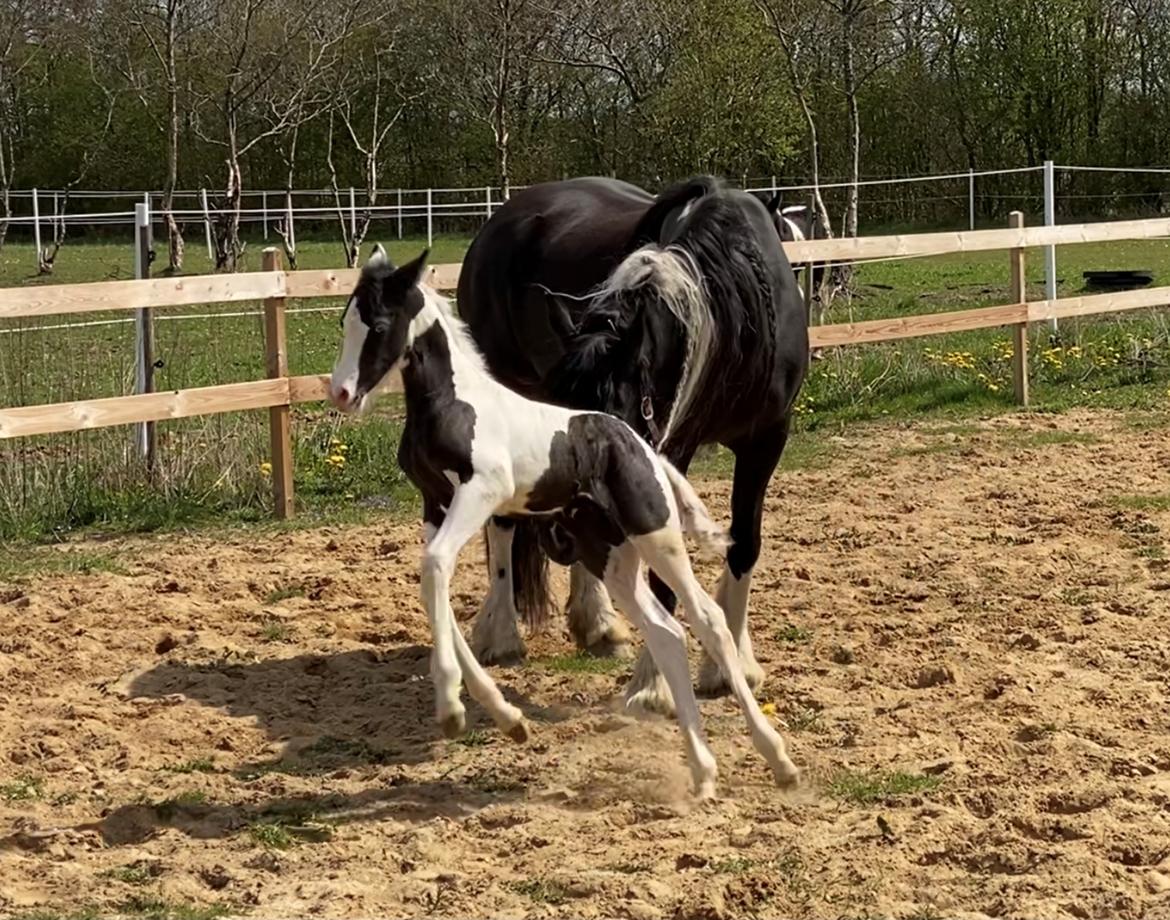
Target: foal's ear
<point>412,272</point>
<point>773,206</point>
<point>377,256</point>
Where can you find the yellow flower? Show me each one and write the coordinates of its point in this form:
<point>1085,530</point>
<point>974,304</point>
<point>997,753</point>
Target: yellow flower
<point>336,459</point>
<point>266,468</point>
<point>768,709</point>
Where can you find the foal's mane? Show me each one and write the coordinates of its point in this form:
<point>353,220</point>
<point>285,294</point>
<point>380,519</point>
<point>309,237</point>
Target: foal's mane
<point>460,334</point>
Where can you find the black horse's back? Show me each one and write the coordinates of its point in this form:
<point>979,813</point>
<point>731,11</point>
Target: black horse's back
<point>556,238</point>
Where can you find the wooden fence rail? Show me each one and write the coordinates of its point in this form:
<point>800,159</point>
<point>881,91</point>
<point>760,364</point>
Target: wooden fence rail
<point>275,287</point>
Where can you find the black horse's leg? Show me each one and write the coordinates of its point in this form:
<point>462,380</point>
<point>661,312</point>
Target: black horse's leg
<point>495,637</point>
<point>756,458</point>
<point>596,627</point>
<point>647,688</point>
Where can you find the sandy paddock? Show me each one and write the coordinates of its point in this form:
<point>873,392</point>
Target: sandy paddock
<point>966,630</point>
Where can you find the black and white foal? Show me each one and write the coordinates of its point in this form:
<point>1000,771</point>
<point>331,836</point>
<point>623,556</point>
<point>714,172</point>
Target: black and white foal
<point>478,450</point>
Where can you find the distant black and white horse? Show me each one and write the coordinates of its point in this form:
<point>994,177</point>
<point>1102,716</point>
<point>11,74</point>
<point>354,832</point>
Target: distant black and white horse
<point>679,314</point>
<point>796,223</point>
<point>601,495</point>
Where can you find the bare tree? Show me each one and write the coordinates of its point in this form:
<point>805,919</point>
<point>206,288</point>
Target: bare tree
<point>799,27</point>
<point>367,131</point>
<point>275,55</point>
<point>166,28</point>
<point>494,48</point>
<point>91,148</point>
<point>20,73</point>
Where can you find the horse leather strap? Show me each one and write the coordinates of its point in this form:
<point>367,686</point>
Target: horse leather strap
<point>648,418</point>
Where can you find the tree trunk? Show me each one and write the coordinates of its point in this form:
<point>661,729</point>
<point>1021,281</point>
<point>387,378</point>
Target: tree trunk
<point>174,233</point>
<point>849,74</point>
<point>228,247</point>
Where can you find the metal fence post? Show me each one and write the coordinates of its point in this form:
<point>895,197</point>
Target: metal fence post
<point>36,206</point>
<point>971,198</point>
<point>144,333</point>
<point>207,224</point>
<point>264,209</point>
<point>400,213</point>
<point>1050,221</point>
<point>430,221</point>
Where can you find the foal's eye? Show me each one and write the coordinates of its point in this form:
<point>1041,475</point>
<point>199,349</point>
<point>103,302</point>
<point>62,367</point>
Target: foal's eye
<point>382,326</point>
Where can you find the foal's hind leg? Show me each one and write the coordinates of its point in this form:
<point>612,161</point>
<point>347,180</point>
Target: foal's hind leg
<point>755,461</point>
<point>666,553</point>
<point>666,641</point>
<point>495,637</point>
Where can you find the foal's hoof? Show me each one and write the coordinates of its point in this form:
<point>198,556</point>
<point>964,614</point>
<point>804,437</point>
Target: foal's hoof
<point>787,775</point>
<point>454,725</point>
<point>519,732</point>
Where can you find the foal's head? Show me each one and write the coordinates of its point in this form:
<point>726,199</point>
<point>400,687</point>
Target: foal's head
<point>375,327</point>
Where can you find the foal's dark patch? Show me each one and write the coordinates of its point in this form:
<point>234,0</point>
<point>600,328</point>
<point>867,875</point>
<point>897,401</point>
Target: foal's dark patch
<point>439,427</point>
<point>599,472</point>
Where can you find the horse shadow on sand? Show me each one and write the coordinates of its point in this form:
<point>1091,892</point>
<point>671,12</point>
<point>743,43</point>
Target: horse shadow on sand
<point>353,713</point>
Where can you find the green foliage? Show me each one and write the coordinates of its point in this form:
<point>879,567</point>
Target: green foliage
<point>868,788</point>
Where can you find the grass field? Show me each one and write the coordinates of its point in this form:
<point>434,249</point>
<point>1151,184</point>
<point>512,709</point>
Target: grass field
<point>213,469</point>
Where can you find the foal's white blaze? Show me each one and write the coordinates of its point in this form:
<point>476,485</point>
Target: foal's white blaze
<point>344,383</point>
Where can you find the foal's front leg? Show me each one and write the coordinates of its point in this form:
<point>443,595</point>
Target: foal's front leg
<point>470,507</point>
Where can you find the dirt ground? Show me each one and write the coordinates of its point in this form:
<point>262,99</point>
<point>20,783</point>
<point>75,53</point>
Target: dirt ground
<point>966,631</point>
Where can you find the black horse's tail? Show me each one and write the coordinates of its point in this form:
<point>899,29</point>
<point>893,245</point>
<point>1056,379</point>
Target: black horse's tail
<point>530,575</point>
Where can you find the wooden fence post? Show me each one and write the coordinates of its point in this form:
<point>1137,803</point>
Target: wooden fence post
<point>1020,330</point>
<point>279,417</point>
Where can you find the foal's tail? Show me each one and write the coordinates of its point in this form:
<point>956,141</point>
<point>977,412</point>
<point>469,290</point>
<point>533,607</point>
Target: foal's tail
<point>696,519</point>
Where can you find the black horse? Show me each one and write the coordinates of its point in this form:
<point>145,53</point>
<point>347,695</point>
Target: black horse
<point>679,314</point>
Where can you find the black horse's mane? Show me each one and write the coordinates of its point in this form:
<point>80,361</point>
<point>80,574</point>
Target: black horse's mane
<point>721,244</point>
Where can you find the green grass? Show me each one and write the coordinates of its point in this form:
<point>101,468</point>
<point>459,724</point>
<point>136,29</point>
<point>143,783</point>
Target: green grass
<point>271,836</point>
<point>868,788</point>
<point>795,635</point>
<point>212,469</point>
<point>184,801</point>
<point>284,593</point>
<point>135,873</point>
<point>541,890</point>
<point>280,829</point>
<point>1159,502</point>
<point>151,907</point>
<point>733,865</point>
<point>22,789</point>
<point>19,563</point>
<point>147,907</point>
<point>582,663</point>
<point>276,631</point>
<point>197,765</point>
<point>79,913</point>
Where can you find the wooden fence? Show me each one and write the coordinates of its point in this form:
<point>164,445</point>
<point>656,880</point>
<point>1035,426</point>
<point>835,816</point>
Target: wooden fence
<point>275,287</point>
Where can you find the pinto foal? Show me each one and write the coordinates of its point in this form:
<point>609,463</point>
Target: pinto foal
<point>477,451</point>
